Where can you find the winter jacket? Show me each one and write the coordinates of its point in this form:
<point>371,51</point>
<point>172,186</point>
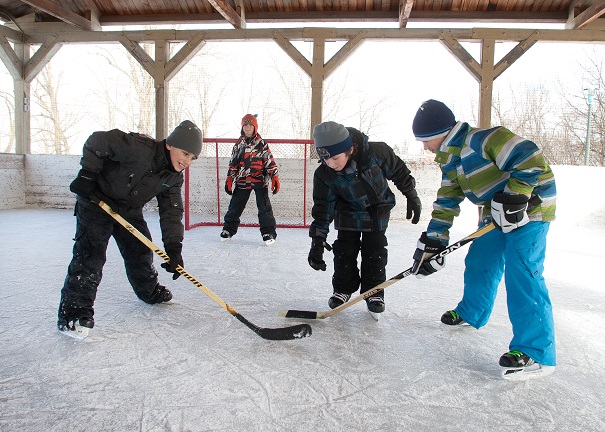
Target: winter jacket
<point>132,169</point>
<point>477,163</point>
<point>358,197</point>
<point>251,165</point>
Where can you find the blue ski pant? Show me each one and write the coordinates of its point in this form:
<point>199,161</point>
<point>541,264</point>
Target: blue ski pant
<point>519,257</point>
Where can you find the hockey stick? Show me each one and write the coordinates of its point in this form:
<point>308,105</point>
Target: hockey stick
<point>284,333</point>
<point>321,315</point>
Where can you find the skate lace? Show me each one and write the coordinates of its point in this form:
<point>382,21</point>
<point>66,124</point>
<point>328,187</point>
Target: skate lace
<point>515,353</point>
<point>454,314</point>
<point>343,297</point>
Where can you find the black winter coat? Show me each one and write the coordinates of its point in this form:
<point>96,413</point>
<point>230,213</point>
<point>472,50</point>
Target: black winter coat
<point>358,198</point>
<point>133,169</point>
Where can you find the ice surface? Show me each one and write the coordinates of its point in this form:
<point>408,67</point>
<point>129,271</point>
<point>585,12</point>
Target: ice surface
<point>191,366</point>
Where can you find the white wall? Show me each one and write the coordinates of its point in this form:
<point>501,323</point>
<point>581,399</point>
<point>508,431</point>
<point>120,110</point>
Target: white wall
<point>12,181</point>
<point>43,181</point>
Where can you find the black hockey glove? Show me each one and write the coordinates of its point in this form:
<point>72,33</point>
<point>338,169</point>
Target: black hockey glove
<point>413,206</point>
<point>85,183</point>
<point>316,254</point>
<point>426,248</point>
<point>509,211</point>
<point>173,250</point>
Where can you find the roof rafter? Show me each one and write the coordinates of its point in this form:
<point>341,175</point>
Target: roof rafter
<point>405,9</point>
<point>225,9</point>
<point>586,17</point>
<point>52,8</point>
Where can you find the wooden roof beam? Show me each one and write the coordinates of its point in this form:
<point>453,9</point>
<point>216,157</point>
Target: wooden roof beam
<point>52,8</point>
<point>586,17</point>
<point>338,16</point>
<point>224,8</point>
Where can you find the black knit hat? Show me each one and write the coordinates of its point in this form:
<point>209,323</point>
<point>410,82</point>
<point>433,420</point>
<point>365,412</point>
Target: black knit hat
<point>186,136</point>
<point>433,120</point>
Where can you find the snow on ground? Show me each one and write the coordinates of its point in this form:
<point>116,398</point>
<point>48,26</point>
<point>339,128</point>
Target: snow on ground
<point>192,366</point>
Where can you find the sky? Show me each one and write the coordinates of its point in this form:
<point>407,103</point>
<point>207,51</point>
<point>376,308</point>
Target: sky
<point>191,366</point>
<point>397,75</point>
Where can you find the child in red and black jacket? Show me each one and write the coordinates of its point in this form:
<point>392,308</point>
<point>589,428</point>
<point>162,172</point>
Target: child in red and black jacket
<point>251,167</point>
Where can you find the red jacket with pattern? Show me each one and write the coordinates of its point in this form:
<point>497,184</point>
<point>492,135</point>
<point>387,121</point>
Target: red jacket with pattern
<point>251,165</point>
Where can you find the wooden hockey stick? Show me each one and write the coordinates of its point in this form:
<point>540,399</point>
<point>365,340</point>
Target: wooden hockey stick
<point>292,313</point>
<point>283,333</point>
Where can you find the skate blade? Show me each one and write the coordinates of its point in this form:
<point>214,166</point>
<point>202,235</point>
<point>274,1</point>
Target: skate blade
<point>270,242</point>
<point>78,332</point>
<point>169,302</point>
<point>223,239</point>
<point>375,315</point>
<point>523,374</point>
<point>462,326</point>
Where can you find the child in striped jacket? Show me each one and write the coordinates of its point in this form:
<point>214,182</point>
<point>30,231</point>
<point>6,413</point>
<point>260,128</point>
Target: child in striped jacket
<point>508,176</point>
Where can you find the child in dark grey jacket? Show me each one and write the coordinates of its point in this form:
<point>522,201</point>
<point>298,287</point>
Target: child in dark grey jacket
<point>350,188</point>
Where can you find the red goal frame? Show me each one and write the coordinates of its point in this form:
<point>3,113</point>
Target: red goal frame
<point>218,178</point>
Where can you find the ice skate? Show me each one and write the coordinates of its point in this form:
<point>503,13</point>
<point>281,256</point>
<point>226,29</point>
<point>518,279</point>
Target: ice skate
<point>77,329</point>
<point>338,299</point>
<point>517,366</point>
<point>269,239</point>
<point>375,306</point>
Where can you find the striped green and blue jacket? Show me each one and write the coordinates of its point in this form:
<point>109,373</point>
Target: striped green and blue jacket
<point>477,163</point>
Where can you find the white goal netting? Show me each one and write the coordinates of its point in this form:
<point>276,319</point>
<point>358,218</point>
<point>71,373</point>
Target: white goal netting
<point>206,201</point>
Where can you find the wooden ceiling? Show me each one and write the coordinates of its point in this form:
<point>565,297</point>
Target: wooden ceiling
<point>92,14</point>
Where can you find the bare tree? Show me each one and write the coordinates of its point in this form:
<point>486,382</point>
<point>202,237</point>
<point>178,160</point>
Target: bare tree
<point>130,104</point>
<point>7,101</point>
<point>52,126</point>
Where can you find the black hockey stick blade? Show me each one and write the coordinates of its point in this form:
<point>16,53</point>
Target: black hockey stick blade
<point>298,331</point>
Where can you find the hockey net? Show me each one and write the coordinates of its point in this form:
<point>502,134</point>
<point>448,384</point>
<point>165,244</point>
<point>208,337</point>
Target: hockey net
<point>206,201</point>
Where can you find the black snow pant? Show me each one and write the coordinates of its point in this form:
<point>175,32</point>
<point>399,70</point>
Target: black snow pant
<point>238,202</point>
<point>374,258</point>
<point>93,230</point>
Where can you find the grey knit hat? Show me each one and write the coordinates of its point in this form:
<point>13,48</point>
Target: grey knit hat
<point>186,136</point>
<point>331,139</point>
<point>433,120</point>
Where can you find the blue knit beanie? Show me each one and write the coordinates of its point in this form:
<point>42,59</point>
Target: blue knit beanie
<point>433,120</point>
<point>331,139</point>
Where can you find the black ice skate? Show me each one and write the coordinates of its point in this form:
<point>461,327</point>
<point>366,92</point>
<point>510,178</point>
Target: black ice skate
<point>518,366</point>
<point>338,299</point>
<point>375,306</point>
<point>78,328</point>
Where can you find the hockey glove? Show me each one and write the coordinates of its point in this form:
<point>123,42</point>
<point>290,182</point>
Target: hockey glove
<point>413,206</point>
<point>316,254</point>
<point>85,183</point>
<point>173,250</point>
<point>509,211</point>
<point>275,185</point>
<point>425,249</point>
<point>229,185</point>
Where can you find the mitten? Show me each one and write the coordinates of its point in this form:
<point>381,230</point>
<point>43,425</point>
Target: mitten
<point>229,185</point>
<point>275,185</point>
<point>173,250</point>
<point>85,183</point>
<point>413,207</point>
<point>425,249</point>
<point>509,211</point>
<point>316,254</point>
